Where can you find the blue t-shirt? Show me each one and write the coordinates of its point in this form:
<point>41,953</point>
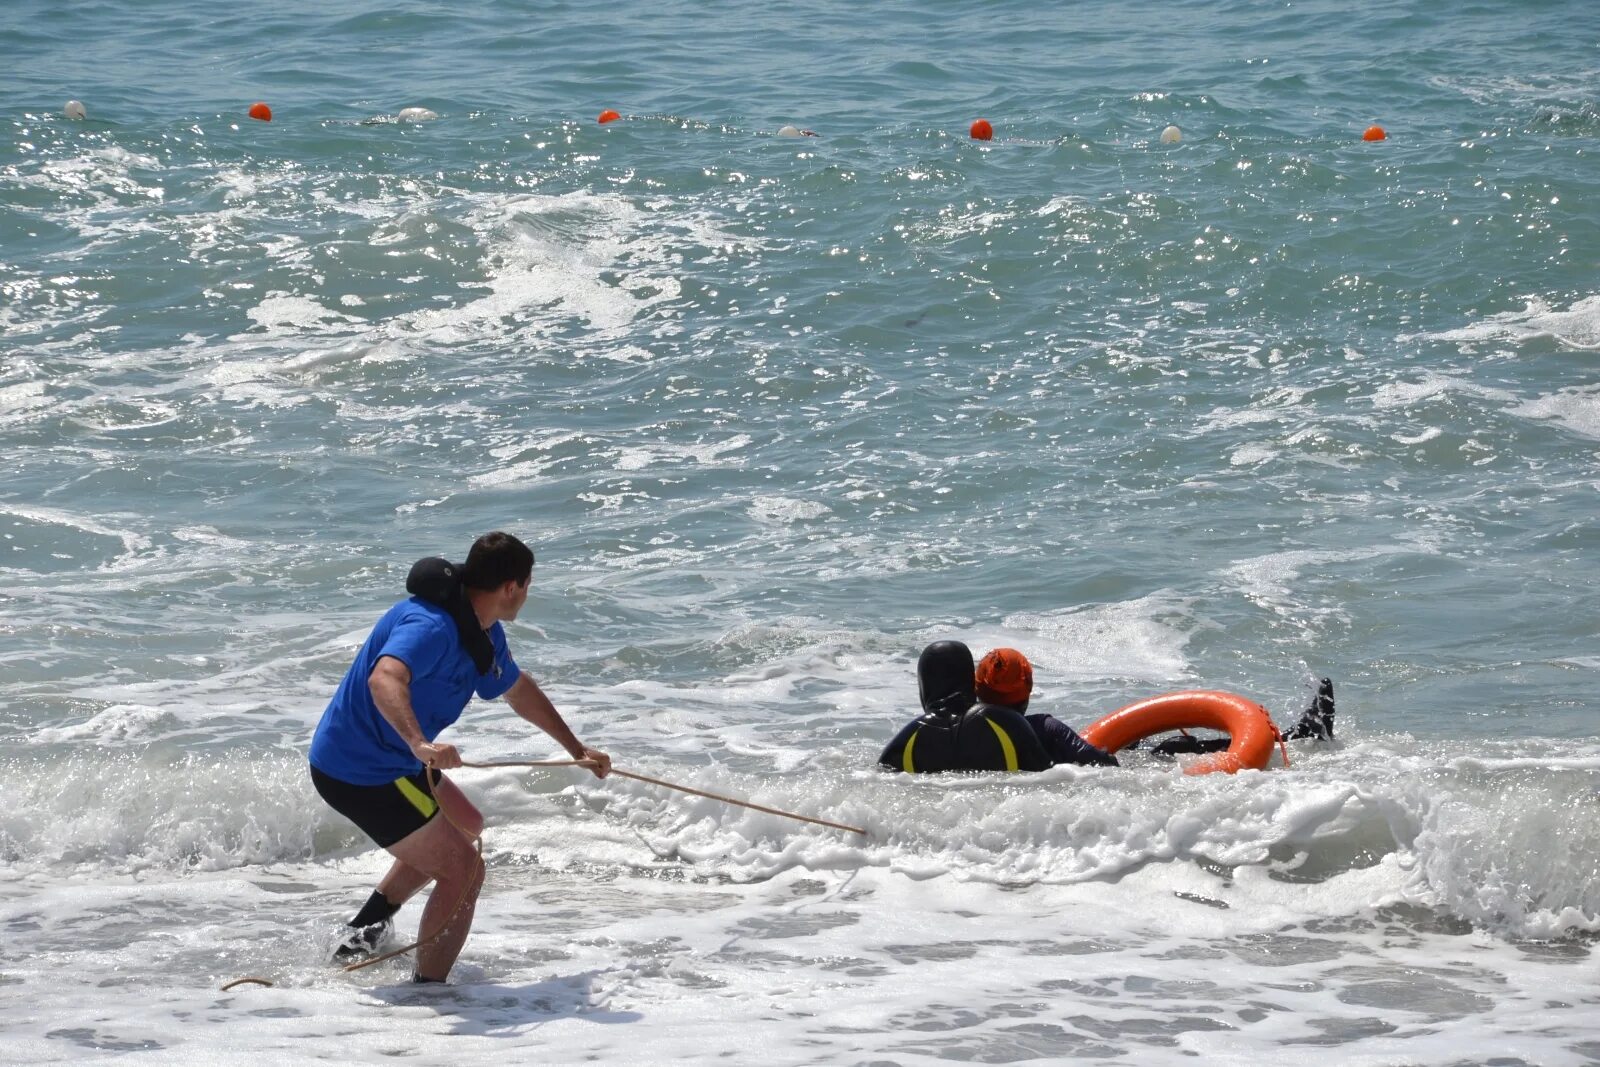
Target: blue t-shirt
<point>355,743</point>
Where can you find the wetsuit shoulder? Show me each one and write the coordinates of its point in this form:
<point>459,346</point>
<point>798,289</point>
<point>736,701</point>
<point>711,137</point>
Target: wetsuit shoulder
<point>923,745</point>
<point>997,738</point>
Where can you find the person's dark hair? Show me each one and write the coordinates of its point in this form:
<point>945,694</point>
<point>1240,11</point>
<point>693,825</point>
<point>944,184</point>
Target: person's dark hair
<point>497,558</point>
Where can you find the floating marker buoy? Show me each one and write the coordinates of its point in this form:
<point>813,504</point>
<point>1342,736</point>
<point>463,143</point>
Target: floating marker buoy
<point>74,110</point>
<point>1171,135</point>
<point>608,116</point>
<point>416,114</point>
<point>1374,133</point>
<point>982,131</point>
<point>260,112</point>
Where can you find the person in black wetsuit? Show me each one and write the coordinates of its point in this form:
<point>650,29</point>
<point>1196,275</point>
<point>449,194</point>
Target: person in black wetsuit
<point>1004,678</point>
<point>1316,723</point>
<point>957,732</point>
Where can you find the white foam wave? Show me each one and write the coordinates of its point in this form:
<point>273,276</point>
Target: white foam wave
<point>104,177</point>
<point>550,252</point>
<point>1142,639</point>
<point>1577,327</point>
<point>540,262</point>
<point>783,511</point>
<point>1431,385</point>
<point>1271,580</point>
<point>1576,409</point>
<point>282,314</point>
<point>132,540</point>
<point>1487,88</point>
<point>702,453</point>
<point>1494,837</point>
<point>137,809</point>
<point>116,723</point>
<point>526,268</point>
<point>1251,455</point>
<point>24,401</point>
<point>1335,820</point>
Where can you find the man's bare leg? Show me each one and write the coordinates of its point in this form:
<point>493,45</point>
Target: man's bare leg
<point>402,881</point>
<point>442,854</point>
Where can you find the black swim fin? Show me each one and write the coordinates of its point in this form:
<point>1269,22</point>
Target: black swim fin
<point>1317,720</point>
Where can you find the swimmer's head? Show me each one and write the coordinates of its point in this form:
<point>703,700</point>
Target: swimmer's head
<point>1005,676</point>
<point>944,678</point>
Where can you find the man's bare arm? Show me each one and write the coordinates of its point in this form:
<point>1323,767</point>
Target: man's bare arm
<point>390,682</point>
<point>529,701</point>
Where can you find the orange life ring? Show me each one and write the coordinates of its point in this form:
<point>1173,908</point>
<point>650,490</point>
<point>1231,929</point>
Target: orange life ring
<point>1245,721</point>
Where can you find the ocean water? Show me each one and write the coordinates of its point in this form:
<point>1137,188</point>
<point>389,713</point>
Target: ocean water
<point>1263,405</point>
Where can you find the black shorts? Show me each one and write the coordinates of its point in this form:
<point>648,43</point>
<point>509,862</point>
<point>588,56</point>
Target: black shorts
<point>386,813</point>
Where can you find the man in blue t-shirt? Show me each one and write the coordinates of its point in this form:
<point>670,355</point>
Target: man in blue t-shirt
<point>375,746</point>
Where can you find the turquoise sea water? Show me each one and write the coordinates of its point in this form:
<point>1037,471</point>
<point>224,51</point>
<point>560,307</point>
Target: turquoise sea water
<point>1268,403</point>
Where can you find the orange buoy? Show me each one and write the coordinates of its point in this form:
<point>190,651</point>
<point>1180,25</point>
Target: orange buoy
<point>260,111</point>
<point>1245,721</point>
<point>608,116</point>
<point>982,131</point>
<point>1374,133</point>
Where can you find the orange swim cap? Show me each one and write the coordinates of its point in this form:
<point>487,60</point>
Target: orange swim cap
<point>1004,676</point>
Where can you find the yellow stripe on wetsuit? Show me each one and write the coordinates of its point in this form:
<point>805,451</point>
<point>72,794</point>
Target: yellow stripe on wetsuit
<point>1006,747</point>
<point>419,800</point>
<point>1005,744</point>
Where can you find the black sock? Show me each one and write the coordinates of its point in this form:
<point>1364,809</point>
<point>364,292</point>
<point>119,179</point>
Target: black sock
<point>377,909</point>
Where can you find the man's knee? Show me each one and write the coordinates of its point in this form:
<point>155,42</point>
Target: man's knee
<point>460,856</point>
<point>439,851</point>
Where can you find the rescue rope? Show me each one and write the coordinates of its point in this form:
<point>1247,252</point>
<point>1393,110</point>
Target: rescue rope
<point>682,789</point>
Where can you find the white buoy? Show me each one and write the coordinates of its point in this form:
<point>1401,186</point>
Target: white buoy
<point>74,110</point>
<point>1171,135</point>
<point>416,114</point>
<point>790,131</point>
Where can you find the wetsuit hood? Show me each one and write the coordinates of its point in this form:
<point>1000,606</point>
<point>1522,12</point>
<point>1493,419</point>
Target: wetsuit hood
<point>944,678</point>
<point>438,581</point>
